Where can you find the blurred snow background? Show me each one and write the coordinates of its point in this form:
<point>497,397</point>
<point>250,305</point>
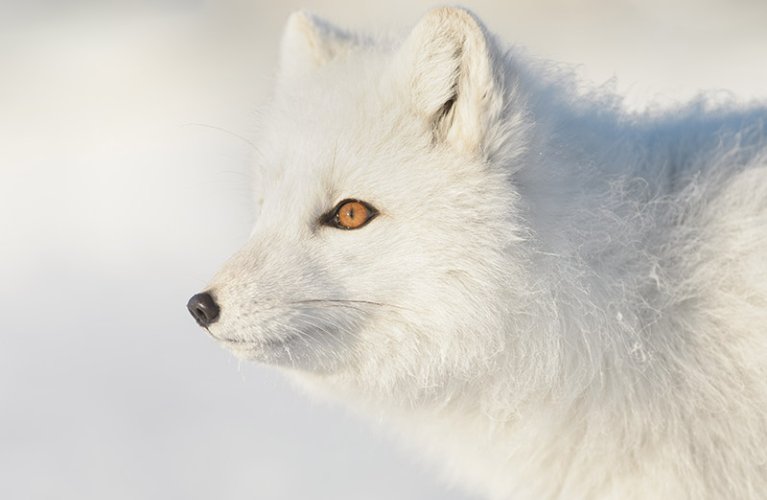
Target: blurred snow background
<point>120,196</point>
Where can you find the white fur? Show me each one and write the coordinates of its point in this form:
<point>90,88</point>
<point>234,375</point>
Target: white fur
<point>559,299</point>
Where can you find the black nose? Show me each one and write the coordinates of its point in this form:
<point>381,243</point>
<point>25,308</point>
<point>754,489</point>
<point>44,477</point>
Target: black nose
<point>203,308</point>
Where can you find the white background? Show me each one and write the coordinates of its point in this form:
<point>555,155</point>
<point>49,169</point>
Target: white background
<point>120,195</point>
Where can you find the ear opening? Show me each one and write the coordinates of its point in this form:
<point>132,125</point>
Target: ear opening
<point>444,113</point>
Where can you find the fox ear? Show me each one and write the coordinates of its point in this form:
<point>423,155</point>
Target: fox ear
<point>448,61</point>
<point>309,42</point>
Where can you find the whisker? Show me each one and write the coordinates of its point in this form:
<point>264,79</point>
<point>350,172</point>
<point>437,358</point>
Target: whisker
<point>348,301</point>
<point>221,129</point>
<point>311,325</point>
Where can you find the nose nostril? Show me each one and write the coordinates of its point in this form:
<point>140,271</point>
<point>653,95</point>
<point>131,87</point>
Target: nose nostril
<point>203,309</point>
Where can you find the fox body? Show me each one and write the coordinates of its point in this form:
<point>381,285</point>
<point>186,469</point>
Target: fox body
<point>555,297</point>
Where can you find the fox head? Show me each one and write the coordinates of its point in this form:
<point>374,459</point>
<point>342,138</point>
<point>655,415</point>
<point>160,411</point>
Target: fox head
<point>381,253</point>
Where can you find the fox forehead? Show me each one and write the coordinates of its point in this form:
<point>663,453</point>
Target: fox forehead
<point>353,101</point>
<point>346,144</point>
<point>351,87</point>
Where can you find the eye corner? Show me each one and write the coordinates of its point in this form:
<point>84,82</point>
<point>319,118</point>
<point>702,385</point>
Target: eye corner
<point>328,218</point>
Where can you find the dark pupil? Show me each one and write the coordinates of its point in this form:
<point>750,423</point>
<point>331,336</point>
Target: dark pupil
<point>350,213</point>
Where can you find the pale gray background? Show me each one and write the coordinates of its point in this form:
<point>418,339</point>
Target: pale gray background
<point>115,207</point>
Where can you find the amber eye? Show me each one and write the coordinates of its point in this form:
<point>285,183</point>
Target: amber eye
<point>350,214</point>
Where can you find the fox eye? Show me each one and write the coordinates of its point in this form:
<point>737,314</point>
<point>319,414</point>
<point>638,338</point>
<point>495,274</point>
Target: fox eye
<point>350,214</point>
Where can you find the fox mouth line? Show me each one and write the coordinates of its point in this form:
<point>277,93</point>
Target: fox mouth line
<point>244,343</point>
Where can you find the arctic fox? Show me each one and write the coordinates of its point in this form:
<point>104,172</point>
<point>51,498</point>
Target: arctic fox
<point>556,297</point>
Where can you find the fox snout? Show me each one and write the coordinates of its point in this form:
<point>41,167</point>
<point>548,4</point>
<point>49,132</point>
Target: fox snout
<point>204,309</point>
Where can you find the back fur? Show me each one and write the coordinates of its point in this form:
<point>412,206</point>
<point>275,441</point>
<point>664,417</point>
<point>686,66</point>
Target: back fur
<point>559,300</point>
